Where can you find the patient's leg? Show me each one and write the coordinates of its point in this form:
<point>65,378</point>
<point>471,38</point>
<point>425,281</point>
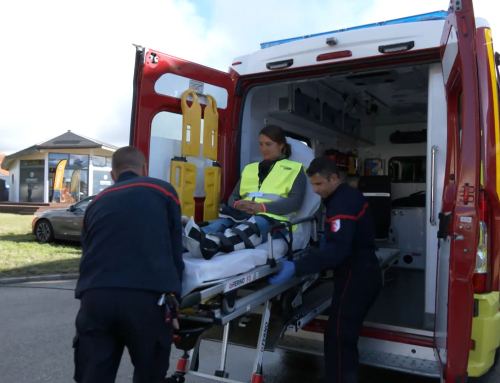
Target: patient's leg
<point>202,243</point>
<point>217,225</point>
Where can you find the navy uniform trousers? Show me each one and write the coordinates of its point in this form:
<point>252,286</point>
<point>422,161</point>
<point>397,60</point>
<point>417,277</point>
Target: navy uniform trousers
<point>111,319</point>
<point>356,288</point>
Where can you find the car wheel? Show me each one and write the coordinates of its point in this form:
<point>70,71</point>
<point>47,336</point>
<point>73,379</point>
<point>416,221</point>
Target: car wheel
<point>44,232</point>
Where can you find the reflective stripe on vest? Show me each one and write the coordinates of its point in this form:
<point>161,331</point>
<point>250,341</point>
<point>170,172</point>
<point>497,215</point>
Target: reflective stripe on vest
<point>275,187</point>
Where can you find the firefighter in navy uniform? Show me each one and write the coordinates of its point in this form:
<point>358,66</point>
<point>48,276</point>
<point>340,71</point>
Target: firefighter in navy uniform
<point>348,250</point>
<point>130,273</point>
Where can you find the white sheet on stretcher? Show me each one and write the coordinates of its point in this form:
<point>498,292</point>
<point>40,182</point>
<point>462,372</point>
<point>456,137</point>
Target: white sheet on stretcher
<point>199,271</point>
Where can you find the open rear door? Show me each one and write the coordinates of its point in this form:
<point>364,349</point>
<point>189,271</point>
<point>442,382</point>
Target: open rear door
<point>459,219</point>
<point>159,82</point>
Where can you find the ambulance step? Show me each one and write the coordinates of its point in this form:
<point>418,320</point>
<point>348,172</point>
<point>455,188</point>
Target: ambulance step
<point>314,302</point>
<point>245,332</point>
<point>406,364</point>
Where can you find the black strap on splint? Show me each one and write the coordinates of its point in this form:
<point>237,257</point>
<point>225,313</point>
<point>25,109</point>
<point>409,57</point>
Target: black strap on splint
<point>224,241</point>
<point>244,238</point>
<point>252,226</point>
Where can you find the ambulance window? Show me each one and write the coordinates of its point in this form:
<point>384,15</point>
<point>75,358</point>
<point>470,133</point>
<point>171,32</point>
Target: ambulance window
<point>408,169</point>
<point>174,86</point>
<point>165,144</point>
<point>459,123</point>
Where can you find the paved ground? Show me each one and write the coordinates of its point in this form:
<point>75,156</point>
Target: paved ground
<point>37,326</point>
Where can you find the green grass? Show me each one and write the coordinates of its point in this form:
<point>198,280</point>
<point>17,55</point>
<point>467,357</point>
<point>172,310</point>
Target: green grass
<point>22,255</point>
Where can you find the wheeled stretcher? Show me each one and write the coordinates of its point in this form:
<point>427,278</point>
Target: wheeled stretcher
<point>231,301</point>
<point>228,290</point>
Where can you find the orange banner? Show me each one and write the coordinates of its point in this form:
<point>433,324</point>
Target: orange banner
<point>58,182</point>
<point>75,184</point>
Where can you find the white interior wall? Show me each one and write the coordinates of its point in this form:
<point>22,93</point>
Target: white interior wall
<point>436,135</point>
<point>261,101</point>
<point>256,115</point>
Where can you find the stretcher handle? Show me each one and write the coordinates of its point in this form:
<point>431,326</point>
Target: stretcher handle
<point>289,224</point>
<point>190,300</point>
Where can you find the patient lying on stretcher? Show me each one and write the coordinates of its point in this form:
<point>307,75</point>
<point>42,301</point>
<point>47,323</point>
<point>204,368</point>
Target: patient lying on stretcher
<point>268,192</point>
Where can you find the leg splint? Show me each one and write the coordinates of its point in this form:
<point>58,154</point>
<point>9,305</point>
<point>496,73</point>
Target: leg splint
<point>200,244</point>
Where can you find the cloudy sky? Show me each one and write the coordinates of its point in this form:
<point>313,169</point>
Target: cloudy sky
<point>68,65</point>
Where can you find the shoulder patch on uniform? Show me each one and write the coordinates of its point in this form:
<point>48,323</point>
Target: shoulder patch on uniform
<point>336,225</point>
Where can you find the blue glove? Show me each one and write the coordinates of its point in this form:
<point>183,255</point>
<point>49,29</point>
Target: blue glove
<point>285,274</point>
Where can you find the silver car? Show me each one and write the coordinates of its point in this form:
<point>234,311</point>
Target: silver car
<point>61,223</point>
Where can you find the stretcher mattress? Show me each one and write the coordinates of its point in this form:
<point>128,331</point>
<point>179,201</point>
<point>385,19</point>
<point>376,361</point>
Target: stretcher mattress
<point>200,272</point>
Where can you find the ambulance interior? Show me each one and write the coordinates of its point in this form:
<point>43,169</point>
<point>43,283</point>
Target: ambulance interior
<point>379,126</point>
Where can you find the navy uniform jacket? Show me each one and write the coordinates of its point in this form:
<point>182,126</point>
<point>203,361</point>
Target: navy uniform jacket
<point>349,235</point>
<point>132,238</point>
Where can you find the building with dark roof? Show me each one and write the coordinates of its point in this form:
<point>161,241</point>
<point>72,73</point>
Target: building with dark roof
<point>84,165</point>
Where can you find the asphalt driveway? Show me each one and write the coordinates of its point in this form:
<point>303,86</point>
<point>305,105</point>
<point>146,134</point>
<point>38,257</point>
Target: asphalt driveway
<point>37,327</point>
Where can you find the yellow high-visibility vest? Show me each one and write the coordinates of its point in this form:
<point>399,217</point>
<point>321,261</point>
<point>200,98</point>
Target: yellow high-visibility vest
<point>275,187</point>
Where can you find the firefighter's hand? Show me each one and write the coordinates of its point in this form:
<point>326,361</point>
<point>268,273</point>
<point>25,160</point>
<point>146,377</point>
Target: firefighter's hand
<point>175,324</point>
<point>285,274</point>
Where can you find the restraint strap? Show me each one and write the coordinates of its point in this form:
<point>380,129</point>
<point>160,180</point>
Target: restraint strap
<point>244,238</point>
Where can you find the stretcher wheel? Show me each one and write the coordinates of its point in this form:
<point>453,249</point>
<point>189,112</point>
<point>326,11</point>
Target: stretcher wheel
<point>176,379</point>
<point>229,302</point>
<point>228,305</point>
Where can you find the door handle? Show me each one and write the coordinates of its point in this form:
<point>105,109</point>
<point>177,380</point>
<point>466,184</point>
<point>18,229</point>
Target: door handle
<point>434,149</point>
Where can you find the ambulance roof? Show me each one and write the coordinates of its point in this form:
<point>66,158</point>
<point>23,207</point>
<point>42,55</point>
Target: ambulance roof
<point>439,15</point>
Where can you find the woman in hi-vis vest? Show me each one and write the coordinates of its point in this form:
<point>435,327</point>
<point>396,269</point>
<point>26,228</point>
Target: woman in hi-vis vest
<point>268,192</point>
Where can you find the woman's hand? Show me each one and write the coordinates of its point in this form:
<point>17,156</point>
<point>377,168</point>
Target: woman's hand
<point>242,205</point>
<point>250,207</point>
<point>254,208</point>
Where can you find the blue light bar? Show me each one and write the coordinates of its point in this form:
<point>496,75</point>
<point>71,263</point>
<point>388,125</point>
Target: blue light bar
<point>439,15</point>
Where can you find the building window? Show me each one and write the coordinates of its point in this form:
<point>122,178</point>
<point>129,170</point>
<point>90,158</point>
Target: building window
<point>72,184</point>
<point>75,185</point>
<point>102,180</point>
<point>31,180</point>
<point>78,160</point>
<point>101,161</point>
<point>55,158</point>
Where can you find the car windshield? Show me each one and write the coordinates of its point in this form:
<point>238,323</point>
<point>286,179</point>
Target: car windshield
<point>82,205</point>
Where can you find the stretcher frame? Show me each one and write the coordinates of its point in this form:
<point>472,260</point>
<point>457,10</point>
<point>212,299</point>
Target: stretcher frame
<point>233,308</point>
